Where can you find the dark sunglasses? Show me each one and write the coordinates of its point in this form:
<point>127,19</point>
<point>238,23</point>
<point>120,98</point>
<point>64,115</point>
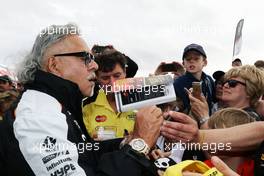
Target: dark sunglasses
<point>3,81</point>
<point>233,83</point>
<point>87,56</point>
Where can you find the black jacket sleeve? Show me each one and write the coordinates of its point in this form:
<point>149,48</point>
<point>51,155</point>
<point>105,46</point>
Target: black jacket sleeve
<point>125,162</point>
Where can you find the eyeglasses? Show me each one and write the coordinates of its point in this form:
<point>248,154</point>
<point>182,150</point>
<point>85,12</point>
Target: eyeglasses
<point>233,83</point>
<point>87,56</point>
<point>3,81</point>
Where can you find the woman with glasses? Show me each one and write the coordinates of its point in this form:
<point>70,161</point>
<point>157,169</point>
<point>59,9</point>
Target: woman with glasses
<point>242,88</point>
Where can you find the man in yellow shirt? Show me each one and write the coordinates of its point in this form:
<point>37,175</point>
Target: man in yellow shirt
<point>101,118</point>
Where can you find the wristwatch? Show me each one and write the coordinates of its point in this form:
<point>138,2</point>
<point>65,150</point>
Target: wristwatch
<point>203,120</point>
<point>139,145</point>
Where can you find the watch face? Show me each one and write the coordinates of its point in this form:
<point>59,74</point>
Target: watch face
<point>138,145</point>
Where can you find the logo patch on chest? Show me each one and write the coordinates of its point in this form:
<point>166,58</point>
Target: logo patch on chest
<point>100,118</point>
<point>131,117</point>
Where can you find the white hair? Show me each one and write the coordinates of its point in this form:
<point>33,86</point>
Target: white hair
<point>47,37</point>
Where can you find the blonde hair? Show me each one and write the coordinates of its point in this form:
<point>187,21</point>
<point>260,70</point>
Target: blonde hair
<point>254,79</point>
<point>229,117</point>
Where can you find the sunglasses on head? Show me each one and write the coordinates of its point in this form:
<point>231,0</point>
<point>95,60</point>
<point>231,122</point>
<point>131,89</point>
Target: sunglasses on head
<point>83,54</point>
<point>234,83</point>
<point>3,81</point>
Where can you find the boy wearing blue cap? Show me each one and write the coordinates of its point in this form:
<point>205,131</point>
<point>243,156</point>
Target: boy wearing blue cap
<point>194,60</point>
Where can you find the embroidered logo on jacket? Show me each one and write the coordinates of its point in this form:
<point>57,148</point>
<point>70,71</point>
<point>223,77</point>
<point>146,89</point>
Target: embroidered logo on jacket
<point>131,117</point>
<point>100,118</point>
<point>49,144</point>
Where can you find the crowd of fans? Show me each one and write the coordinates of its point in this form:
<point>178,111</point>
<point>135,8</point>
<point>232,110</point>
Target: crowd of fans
<point>61,99</point>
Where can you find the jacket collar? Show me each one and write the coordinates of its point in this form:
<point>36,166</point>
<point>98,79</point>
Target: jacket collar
<point>101,100</point>
<point>66,92</point>
<point>190,75</point>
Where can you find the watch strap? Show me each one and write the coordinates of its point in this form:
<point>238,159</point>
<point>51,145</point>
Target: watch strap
<point>203,120</point>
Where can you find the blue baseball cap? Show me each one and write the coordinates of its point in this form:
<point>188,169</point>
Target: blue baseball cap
<point>193,47</point>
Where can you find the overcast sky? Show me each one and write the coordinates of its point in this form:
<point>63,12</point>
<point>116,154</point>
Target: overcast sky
<point>149,31</point>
